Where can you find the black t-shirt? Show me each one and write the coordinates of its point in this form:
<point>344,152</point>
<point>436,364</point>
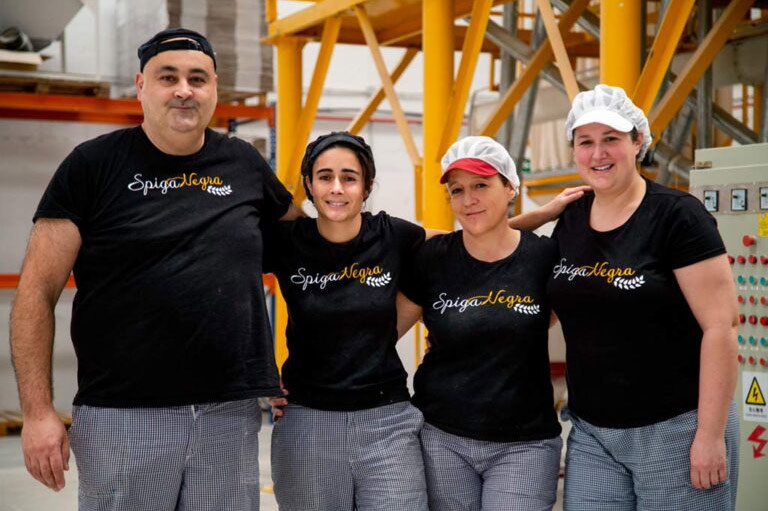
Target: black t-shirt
<point>632,341</point>
<point>170,304</point>
<point>486,374</point>
<point>342,319</point>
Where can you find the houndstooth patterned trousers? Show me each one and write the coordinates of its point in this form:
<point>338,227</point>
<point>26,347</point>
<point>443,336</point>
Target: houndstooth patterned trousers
<point>645,468</point>
<point>465,474</point>
<point>200,457</point>
<point>364,460</point>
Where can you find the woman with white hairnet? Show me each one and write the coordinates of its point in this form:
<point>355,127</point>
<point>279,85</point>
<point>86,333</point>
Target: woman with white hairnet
<point>648,307</point>
<point>482,291</point>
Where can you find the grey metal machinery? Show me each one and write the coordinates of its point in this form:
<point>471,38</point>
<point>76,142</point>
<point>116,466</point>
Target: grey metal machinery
<point>732,182</point>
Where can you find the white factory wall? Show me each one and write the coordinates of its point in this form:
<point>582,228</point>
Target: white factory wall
<point>32,150</point>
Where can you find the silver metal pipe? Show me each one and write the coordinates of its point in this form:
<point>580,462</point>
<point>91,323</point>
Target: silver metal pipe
<point>588,20</point>
<point>705,90</point>
<point>675,162</point>
<point>524,111</point>
<point>523,52</point>
<point>508,69</point>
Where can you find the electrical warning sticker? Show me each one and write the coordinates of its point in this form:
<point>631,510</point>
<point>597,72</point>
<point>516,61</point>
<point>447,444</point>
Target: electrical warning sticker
<point>754,385</point>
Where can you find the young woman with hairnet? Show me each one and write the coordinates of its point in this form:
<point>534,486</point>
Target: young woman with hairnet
<point>348,436</point>
<point>491,439</point>
<point>646,299</point>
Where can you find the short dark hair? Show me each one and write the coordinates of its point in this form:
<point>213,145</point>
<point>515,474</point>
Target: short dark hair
<point>183,39</point>
<point>346,140</point>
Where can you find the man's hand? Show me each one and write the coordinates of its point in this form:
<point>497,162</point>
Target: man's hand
<point>46,449</point>
<point>277,407</point>
<point>708,466</point>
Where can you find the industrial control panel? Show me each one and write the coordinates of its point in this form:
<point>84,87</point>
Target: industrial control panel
<point>732,182</point>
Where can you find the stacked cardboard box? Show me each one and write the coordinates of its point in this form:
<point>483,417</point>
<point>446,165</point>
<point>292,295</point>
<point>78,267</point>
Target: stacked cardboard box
<point>234,27</point>
<point>137,21</point>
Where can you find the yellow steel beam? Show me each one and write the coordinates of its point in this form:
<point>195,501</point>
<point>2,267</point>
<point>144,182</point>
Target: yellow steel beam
<point>386,83</point>
<point>418,191</point>
<point>541,58</point>
<point>620,43</point>
<point>365,114</point>
<point>697,64</point>
<point>549,180</point>
<point>288,112</point>
<point>410,26</point>
<point>313,15</point>
<point>271,10</point>
<point>289,104</point>
<point>438,43</point>
<point>662,51</point>
<point>473,41</point>
<point>561,55</point>
<point>304,126</point>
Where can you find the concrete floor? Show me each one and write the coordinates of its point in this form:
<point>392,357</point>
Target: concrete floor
<point>20,492</point>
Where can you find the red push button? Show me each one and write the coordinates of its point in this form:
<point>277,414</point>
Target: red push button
<point>763,300</point>
<point>730,259</point>
<point>763,362</point>
<point>742,318</point>
<point>741,259</point>
<point>752,299</point>
<point>741,358</point>
<point>748,240</point>
<point>764,321</point>
<point>752,319</point>
<point>752,259</point>
<point>751,360</point>
<point>763,260</point>
<point>740,299</point>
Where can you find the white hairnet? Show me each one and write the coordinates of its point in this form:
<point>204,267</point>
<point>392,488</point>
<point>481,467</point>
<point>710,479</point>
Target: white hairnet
<point>483,150</point>
<point>610,106</point>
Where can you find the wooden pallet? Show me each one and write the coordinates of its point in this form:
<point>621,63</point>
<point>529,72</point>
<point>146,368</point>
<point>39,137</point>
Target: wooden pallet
<point>53,85</point>
<point>11,421</point>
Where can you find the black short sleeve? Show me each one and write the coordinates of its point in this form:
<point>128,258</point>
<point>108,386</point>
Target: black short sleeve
<point>277,242</point>
<point>409,237</point>
<point>276,198</point>
<point>416,268</point>
<point>67,193</point>
<point>693,234</point>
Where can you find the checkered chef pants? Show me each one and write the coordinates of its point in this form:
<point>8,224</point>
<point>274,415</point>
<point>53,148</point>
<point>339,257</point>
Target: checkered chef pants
<point>465,474</point>
<point>198,458</point>
<point>645,468</point>
<point>364,460</point>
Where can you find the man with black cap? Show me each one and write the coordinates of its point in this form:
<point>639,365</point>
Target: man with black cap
<point>161,225</point>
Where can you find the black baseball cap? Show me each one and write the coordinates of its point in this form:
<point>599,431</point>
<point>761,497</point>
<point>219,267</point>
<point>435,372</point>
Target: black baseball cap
<point>184,39</point>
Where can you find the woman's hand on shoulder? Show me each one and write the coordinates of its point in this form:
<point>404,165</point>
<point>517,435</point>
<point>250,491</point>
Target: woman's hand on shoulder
<point>531,220</point>
<point>556,206</point>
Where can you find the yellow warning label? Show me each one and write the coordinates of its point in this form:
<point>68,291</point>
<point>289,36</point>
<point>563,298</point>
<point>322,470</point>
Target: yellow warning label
<point>755,395</point>
<point>762,224</point>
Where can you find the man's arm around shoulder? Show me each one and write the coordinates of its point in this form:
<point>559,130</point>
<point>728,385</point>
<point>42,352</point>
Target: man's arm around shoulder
<point>51,253</point>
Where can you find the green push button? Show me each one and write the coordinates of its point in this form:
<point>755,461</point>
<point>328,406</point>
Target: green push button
<point>763,341</point>
<point>741,339</point>
<point>740,279</point>
<point>752,341</point>
<point>752,279</point>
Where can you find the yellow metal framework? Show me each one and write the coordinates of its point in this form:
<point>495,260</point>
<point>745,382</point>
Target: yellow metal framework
<point>429,27</point>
